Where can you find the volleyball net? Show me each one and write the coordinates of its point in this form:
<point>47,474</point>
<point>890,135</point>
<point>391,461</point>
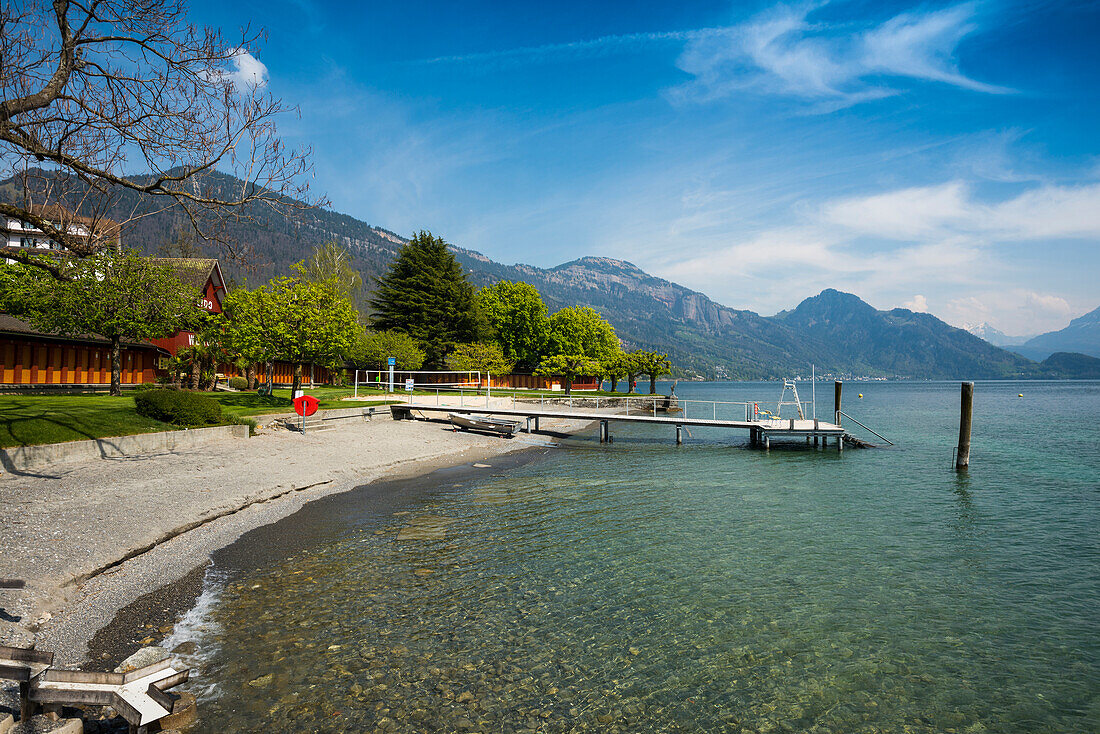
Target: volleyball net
<point>409,380</point>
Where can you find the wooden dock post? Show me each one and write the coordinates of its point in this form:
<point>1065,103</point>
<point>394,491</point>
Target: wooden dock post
<point>603,431</point>
<point>679,435</point>
<point>767,442</point>
<point>838,387</point>
<point>962,458</point>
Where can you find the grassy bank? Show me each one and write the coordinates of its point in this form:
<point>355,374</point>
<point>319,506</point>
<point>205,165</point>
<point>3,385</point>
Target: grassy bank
<point>27,420</point>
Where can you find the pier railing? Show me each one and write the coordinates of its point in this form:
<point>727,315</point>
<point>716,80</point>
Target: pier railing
<point>630,404</point>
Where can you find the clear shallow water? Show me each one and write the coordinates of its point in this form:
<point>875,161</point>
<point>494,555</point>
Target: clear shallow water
<point>647,587</point>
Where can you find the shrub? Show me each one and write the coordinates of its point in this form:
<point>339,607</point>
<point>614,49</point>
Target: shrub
<point>252,424</point>
<point>179,408</point>
<point>238,383</point>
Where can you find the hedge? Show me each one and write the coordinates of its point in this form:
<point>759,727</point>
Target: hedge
<point>179,408</point>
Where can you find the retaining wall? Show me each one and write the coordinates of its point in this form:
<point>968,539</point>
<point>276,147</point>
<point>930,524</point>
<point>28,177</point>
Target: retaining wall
<point>20,459</point>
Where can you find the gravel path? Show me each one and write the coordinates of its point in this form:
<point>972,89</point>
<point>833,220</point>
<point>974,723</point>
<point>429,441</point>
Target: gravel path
<point>93,537</point>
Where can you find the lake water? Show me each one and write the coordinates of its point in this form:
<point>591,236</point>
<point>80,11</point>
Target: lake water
<point>641,586</point>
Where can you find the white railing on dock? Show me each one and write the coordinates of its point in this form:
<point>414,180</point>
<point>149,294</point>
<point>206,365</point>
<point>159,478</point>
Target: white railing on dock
<point>653,404</point>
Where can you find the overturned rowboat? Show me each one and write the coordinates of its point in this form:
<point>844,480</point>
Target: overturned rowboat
<point>469,422</point>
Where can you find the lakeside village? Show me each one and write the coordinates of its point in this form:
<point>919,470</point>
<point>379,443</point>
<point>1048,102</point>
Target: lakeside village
<point>198,351</point>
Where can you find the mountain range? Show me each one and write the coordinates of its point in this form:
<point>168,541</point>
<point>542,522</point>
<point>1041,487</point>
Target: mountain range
<point>1082,335</point>
<point>838,332</point>
<point>994,336</point>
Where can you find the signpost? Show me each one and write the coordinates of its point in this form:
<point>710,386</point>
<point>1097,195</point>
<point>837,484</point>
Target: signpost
<point>391,361</point>
<point>409,384</point>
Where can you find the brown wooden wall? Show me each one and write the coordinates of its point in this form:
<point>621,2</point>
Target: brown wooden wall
<point>32,362</point>
<point>283,373</point>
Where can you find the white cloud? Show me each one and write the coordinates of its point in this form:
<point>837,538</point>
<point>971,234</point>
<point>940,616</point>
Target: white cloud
<point>1015,311</point>
<point>248,71</point>
<point>905,214</point>
<point>939,242</point>
<point>1045,212</point>
<point>782,52</point>
<point>917,303</point>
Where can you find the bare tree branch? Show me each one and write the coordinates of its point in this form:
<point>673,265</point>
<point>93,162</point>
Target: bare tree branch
<point>102,97</point>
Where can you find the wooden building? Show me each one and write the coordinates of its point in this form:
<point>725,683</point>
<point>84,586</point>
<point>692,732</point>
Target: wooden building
<point>203,274</point>
<point>30,358</point>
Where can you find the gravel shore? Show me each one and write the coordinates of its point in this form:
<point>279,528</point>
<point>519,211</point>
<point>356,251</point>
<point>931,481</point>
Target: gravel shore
<point>92,538</point>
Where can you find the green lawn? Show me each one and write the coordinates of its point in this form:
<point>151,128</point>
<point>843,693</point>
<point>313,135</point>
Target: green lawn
<point>248,404</point>
<point>26,420</point>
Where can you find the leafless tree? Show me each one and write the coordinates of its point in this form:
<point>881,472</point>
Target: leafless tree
<point>109,101</point>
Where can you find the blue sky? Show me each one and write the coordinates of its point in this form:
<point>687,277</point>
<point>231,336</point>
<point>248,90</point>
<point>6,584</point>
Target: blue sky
<point>941,156</point>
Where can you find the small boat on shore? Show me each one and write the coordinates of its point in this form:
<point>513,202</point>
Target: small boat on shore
<point>469,422</point>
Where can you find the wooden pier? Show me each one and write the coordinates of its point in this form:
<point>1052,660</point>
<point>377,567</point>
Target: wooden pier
<point>760,431</point>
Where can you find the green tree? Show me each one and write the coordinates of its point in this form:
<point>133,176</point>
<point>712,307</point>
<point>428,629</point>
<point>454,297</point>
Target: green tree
<point>569,366</point>
<point>374,348</point>
<point>297,321</point>
<point>478,356</point>
<point>580,330</point>
<point>515,316</point>
<point>613,369</point>
<point>631,370</point>
<point>331,261</point>
<point>426,295</point>
<point>119,295</point>
<point>253,326</point>
<point>652,365</point>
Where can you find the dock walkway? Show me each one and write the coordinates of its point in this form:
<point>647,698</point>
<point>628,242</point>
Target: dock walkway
<point>760,430</point>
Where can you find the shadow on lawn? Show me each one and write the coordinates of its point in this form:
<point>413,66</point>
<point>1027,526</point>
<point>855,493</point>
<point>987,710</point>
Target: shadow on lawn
<point>24,416</point>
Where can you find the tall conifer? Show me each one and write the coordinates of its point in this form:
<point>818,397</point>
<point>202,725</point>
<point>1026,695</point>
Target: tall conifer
<point>426,295</point>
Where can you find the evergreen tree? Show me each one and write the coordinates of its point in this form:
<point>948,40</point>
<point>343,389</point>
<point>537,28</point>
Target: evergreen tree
<point>426,295</point>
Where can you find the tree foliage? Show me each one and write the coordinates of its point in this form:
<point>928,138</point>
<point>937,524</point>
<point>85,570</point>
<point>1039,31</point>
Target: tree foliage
<point>374,348</point>
<point>516,318</point>
<point>651,364</point>
<point>426,295</point>
<point>120,296</point>
<point>488,358</point>
<point>331,261</point>
<point>295,320</point>
<point>580,330</point>
<point>91,93</point>
<point>569,366</point>
<point>614,369</point>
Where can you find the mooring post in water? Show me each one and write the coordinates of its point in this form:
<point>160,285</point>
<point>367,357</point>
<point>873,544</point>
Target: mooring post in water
<point>603,431</point>
<point>679,435</point>
<point>962,458</point>
<point>838,386</point>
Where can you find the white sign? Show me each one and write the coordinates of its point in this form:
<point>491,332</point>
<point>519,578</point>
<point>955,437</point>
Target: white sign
<point>555,387</point>
<point>409,385</point>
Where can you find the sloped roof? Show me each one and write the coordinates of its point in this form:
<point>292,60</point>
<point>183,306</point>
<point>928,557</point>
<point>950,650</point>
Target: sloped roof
<point>59,215</point>
<point>11,325</point>
<point>193,271</point>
